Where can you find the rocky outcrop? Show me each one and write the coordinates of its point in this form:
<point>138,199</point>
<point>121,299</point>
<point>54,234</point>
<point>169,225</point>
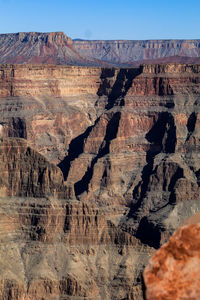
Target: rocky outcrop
<point>47,105</point>
<point>126,145</point>
<point>57,48</point>
<point>173,272</point>
<point>36,47</point>
<point>26,173</point>
<point>54,248</point>
<point>130,52</point>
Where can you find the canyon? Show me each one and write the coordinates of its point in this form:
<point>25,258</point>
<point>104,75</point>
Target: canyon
<point>58,48</point>
<point>99,166</point>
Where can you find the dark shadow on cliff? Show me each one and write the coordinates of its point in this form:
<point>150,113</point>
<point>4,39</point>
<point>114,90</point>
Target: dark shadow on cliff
<point>162,139</point>
<point>76,147</point>
<point>191,123</point>
<point>121,86</point>
<point>17,128</point>
<point>111,133</point>
<point>119,90</point>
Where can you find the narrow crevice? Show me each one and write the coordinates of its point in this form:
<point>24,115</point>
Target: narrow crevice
<point>191,123</point>
<point>162,88</point>
<point>76,147</point>
<point>111,133</point>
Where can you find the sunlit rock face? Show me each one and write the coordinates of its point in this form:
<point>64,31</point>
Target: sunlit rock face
<point>173,272</point>
<point>58,48</point>
<point>99,166</point>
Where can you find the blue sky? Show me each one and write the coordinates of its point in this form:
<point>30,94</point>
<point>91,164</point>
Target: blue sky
<point>119,19</point>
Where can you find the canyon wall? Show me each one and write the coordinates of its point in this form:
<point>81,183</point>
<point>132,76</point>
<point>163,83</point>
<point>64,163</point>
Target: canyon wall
<point>58,48</point>
<point>99,167</point>
<point>126,52</point>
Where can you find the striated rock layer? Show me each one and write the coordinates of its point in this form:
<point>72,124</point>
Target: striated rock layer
<point>99,167</point>
<point>129,52</point>
<point>38,47</point>
<point>58,48</point>
<point>173,272</point>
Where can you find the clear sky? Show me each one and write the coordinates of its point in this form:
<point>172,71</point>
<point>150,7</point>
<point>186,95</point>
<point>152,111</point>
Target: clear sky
<point>101,19</point>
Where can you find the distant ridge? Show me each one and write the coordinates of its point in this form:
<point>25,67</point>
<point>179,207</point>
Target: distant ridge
<point>58,48</point>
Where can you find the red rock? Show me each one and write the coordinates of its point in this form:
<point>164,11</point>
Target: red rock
<point>57,48</point>
<point>126,142</point>
<point>173,273</point>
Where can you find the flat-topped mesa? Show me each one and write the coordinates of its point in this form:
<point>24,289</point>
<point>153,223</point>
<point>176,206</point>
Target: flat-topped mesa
<point>132,51</point>
<point>36,47</point>
<point>51,37</point>
<point>56,47</point>
<point>38,36</point>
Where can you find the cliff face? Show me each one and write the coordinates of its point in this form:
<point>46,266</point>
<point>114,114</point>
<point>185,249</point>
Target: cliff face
<point>47,105</point>
<point>27,173</point>
<point>57,48</point>
<point>126,52</point>
<point>126,146</point>
<point>35,47</point>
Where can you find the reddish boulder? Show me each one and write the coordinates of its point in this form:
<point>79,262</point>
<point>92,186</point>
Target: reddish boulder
<point>173,273</point>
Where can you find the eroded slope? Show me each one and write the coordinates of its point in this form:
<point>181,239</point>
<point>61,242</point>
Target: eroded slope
<point>126,146</point>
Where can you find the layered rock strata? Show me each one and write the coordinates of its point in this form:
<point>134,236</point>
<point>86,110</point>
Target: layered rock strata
<point>126,146</point>
<point>58,48</point>
<point>129,52</point>
<point>38,47</point>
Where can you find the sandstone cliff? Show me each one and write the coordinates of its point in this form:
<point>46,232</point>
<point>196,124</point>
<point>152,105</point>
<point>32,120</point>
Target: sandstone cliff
<point>57,48</point>
<point>36,47</point>
<point>126,146</point>
<point>130,52</point>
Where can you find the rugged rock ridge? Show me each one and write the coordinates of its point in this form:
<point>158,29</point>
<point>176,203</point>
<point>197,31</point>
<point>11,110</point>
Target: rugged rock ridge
<point>126,145</point>
<point>36,47</point>
<point>57,48</point>
<point>47,105</point>
<point>54,249</point>
<point>127,52</point>
<point>27,173</point>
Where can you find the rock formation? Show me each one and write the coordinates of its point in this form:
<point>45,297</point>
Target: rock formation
<point>149,51</point>
<point>57,48</point>
<point>173,272</point>
<point>99,167</point>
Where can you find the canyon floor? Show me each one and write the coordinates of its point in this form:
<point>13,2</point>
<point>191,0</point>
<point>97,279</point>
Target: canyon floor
<point>99,166</point>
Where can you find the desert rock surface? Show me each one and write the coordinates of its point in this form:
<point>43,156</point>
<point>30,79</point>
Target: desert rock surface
<point>58,48</point>
<point>99,167</point>
<point>173,272</point>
